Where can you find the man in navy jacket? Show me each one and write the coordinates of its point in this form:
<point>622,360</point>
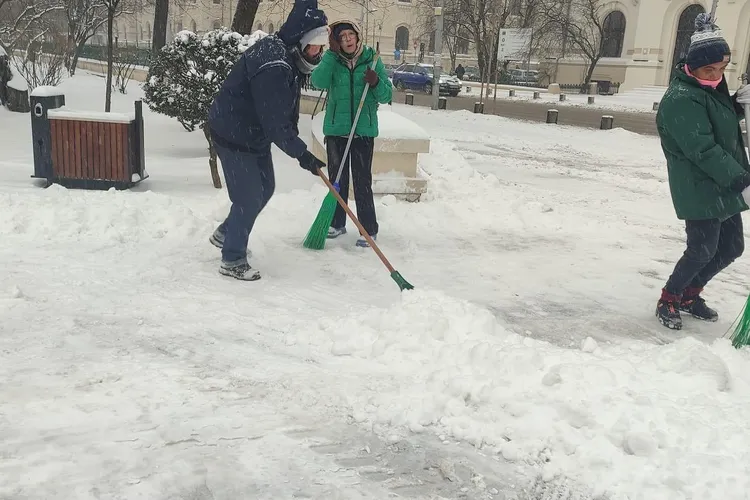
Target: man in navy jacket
<point>258,105</point>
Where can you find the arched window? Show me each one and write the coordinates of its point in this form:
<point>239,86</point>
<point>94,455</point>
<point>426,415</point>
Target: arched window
<point>402,38</point>
<point>614,34</point>
<point>685,29</point>
<point>270,28</point>
<point>149,32</point>
<point>179,26</point>
<point>259,27</point>
<point>217,24</point>
<point>193,27</point>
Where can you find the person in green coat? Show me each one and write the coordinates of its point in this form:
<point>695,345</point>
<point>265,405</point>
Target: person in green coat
<point>345,70</point>
<point>709,174</point>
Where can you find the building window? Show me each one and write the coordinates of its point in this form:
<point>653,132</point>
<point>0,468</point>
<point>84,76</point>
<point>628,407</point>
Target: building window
<point>217,24</point>
<point>270,28</point>
<point>179,26</point>
<point>217,2</point>
<point>402,38</point>
<point>149,33</point>
<point>614,34</point>
<point>259,27</point>
<point>193,27</point>
<point>685,29</point>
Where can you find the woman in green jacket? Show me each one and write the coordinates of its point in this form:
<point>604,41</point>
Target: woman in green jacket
<point>709,174</point>
<point>344,71</point>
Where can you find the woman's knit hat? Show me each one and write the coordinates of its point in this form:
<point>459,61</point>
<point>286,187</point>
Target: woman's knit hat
<point>707,45</point>
<point>338,28</point>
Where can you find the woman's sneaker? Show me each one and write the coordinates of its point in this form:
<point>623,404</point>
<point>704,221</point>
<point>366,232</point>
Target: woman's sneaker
<point>362,242</point>
<point>668,310</point>
<point>693,304</point>
<point>335,232</point>
<point>241,271</point>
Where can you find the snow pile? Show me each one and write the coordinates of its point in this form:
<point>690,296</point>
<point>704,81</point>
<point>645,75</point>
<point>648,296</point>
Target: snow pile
<point>58,214</point>
<point>46,91</point>
<point>636,421</point>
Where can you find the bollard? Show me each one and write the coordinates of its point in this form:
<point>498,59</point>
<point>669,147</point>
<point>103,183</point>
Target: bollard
<point>591,99</point>
<point>409,99</point>
<point>511,93</point>
<point>442,103</point>
<point>607,122</point>
<point>479,107</point>
<point>536,95</point>
<point>563,97</point>
<point>552,116</point>
<point>656,106</point>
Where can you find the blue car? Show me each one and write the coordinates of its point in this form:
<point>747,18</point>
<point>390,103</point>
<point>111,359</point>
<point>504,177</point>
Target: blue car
<point>419,77</point>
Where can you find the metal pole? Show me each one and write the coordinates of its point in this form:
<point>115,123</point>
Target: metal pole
<point>438,58</point>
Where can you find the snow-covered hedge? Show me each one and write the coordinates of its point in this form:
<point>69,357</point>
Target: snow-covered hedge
<point>186,75</point>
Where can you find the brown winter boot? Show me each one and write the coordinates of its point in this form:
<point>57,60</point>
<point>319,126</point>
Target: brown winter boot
<point>667,310</point>
<point>694,304</point>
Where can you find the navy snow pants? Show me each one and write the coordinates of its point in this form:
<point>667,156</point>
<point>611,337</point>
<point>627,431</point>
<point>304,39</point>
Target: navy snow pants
<point>250,184</point>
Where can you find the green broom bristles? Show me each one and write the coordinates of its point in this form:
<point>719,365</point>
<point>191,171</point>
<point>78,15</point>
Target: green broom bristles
<point>741,335</point>
<point>318,233</point>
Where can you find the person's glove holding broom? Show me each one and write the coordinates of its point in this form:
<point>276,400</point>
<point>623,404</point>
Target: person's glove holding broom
<point>309,162</point>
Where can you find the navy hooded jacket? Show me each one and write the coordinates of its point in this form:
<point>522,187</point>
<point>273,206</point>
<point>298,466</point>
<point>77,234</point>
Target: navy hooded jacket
<point>258,103</point>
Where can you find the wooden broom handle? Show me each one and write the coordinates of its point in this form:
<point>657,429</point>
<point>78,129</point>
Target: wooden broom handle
<point>356,221</point>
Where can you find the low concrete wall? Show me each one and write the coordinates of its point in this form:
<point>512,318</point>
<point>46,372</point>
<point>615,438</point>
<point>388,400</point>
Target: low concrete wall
<point>395,159</point>
<point>139,74</point>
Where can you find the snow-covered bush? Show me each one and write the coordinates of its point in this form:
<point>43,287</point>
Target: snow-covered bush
<point>186,75</point>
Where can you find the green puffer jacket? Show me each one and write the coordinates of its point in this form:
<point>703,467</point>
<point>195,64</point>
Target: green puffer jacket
<point>345,89</point>
<point>702,142</point>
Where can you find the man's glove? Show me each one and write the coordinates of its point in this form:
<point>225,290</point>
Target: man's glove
<point>746,195</point>
<point>743,95</point>
<point>309,162</point>
<point>372,78</point>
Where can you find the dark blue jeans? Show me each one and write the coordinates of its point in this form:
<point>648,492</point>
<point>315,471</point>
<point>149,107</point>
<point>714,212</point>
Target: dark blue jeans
<point>250,184</point>
<point>711,246</point>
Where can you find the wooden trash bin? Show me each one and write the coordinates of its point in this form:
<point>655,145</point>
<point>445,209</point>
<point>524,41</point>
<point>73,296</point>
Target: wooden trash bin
<point>96,150</point>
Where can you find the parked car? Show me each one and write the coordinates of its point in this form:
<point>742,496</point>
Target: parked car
<point>419,77</point>
<point>524,77</point>
<point>471,74</point>
<point>390,69</point>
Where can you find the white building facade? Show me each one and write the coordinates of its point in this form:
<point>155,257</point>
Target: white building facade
<point>646,38</point>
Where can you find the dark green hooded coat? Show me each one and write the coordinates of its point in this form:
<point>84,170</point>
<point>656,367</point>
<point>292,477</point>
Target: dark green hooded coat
<point>702,142</point>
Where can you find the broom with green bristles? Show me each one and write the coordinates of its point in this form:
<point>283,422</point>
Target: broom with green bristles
<point>318,233</point>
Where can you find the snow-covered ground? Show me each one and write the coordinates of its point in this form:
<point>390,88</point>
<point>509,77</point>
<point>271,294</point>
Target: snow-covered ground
<point>526,360</point>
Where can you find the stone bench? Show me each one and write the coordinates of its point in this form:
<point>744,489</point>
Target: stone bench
<point>394,164</point>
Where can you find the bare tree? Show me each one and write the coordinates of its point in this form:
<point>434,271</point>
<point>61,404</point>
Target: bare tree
<point>161,17</point>
<point>244,16</point>
<point>84,19</point>
<point>114,9</point>
<point>580,24</point>
<point>24,21</point>
<point>40,67</point>
<point>454,25</point>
